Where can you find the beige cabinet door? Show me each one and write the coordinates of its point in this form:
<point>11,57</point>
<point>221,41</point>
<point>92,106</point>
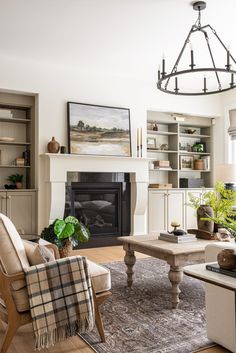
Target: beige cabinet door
<point>157,211</point>
<point>3,202</point>
<point>191,213</point>
<point>21,209</point>
<point>176,208</point>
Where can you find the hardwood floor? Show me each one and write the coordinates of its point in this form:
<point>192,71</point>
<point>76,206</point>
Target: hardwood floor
<point>23,340</point>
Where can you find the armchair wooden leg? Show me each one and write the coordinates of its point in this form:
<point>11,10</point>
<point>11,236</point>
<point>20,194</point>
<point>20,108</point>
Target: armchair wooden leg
<point>9,334</point>
<point>99,323</point>
<point>98,300</point>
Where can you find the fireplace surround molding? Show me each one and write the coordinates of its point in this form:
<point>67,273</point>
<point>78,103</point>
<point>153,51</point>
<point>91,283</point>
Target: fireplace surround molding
<point>56,167</point>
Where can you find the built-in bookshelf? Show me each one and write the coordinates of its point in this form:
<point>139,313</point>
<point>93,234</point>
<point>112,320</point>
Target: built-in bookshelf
<point>17,138</point>
<point>186,142</point>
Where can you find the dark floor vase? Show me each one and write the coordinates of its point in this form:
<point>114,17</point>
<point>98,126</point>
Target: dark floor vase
<point>205,211</point>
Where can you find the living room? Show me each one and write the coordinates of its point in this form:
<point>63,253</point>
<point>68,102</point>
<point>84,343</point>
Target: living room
<point>106,57</point>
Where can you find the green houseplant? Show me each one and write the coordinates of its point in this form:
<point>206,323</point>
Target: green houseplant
<point>16,179</point>
<point>221,201</point>
<point>66,233</point>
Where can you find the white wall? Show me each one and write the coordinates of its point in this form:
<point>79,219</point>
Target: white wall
<point>120,70</point>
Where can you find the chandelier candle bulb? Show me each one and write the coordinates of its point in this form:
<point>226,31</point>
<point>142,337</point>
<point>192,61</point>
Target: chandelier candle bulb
<point>159,74</point>
<point>192,59</point>
<point>176,85</point>
<point>163,67</point>
<point>204,89</point>
<point>232,80</point>
<point>228,65</point>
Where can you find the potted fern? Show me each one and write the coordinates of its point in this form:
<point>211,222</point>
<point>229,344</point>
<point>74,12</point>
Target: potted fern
<point>66,234</point>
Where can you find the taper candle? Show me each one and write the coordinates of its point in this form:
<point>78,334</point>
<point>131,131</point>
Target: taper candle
<point>228,58</point>
<point>138,136</point>
<point>141,136</point>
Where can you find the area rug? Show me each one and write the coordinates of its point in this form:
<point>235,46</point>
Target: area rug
<point>141,320</point>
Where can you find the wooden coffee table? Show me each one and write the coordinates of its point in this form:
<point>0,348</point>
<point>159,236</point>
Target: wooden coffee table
<point>176,255</point>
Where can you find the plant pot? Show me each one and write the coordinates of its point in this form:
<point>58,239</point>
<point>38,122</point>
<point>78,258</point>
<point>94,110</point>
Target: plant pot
<point>66,250</point>
<point>205,211</point>
<point>227,259</point>
<point>19,185</point>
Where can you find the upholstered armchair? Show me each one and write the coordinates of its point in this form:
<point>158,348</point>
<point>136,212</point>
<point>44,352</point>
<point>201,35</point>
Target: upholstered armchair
<point>14,302</point>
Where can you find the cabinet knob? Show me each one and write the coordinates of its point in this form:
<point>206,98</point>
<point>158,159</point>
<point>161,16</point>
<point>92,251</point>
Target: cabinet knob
<point>8,197</point>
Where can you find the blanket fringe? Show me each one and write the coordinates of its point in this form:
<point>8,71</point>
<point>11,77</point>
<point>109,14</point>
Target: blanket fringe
<point>47,338</point>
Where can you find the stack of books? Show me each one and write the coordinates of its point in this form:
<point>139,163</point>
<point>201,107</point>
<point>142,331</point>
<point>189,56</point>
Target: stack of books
<point>5,113</point>
<point>162,165</point>
<point>216,268</point>
<point>177,238</point>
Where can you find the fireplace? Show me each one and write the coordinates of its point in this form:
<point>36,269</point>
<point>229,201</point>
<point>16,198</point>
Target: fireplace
<point>102,202</point>
<point>58,166</point>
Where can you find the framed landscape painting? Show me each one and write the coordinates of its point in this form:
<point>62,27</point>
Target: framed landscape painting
<point>98,130</point>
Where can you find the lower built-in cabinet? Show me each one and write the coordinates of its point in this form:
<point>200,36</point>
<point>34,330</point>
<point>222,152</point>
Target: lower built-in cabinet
<point>20,207</point>
<point>165,206</point>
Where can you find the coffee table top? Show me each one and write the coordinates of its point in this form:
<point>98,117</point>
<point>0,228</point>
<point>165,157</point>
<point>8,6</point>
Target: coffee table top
<point>152,242</point>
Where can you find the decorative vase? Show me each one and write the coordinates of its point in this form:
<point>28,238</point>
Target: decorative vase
<point>53,146</point>
<point>66,250</point>
<point>227,259</point>
<point>205,211</point>
<point>19,185</point>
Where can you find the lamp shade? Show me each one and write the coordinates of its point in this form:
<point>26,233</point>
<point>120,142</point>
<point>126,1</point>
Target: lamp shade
<point>226,173</point>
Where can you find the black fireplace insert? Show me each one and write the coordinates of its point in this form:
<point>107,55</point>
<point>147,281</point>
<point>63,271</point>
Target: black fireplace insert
<point>103,206</point>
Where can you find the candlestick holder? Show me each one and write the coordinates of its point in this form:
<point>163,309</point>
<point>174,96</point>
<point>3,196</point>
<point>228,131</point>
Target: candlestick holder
<point>138,151</point>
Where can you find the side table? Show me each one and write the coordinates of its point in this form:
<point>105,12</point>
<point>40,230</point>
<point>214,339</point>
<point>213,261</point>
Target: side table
<point>220,305</point>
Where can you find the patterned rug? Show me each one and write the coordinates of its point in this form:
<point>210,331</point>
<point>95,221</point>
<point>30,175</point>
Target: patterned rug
<point>141,320</point>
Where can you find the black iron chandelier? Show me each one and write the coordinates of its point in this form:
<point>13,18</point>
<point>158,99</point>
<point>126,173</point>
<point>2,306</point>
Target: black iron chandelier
<point>203,80</point>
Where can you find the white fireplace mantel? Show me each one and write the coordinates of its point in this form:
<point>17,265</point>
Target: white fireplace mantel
<point>58,165</point>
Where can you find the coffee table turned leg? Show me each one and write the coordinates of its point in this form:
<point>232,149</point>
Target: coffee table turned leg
<point>130,260</point>
<point>175,276</point>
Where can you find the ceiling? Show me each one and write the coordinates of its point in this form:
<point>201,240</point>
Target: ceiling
<point>124,37</point>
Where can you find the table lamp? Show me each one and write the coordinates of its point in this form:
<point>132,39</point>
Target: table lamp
<point>227,174</point>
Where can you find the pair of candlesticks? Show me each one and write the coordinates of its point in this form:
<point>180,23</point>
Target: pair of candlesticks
<point>139,142</point>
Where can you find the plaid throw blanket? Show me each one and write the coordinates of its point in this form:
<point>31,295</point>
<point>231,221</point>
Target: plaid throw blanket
<point>61,299</point>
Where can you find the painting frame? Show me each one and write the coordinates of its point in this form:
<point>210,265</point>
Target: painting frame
<point>185,160</point>
<point>151,143</point>
<point>118,138</point>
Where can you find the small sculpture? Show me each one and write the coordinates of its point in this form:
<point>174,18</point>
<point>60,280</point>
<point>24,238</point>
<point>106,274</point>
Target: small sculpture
<point>155,127</point>
<point>163,147</point>
<point>176,231</point>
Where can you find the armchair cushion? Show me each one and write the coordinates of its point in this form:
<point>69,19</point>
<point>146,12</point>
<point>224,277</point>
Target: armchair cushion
<point>12,252</point>
<point>100,276</point>
<point>37,254</point>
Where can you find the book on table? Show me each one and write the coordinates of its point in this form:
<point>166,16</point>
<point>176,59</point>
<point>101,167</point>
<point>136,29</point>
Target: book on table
<point>216,268</point>
<point>177,238</point>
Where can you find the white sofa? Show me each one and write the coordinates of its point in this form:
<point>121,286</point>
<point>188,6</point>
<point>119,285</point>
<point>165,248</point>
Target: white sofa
<point>220,306</point>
